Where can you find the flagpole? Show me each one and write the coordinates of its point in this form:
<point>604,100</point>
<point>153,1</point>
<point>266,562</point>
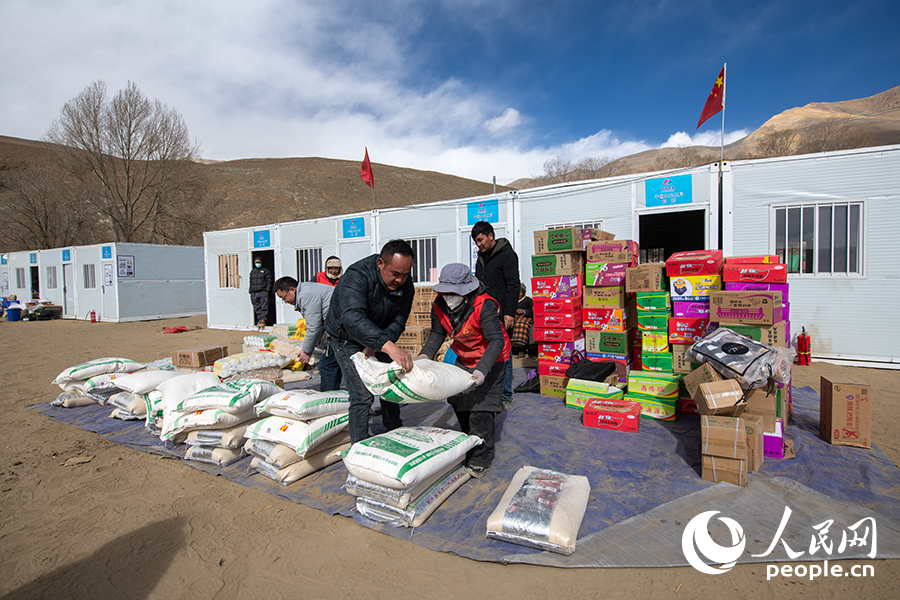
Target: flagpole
<point>373,195</point>
<point>724,80</point>
<point>722,160</point>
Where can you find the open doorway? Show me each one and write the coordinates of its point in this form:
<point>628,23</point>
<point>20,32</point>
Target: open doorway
<point>267,257</point>
<point>663,234</point>
<point>35,283</point>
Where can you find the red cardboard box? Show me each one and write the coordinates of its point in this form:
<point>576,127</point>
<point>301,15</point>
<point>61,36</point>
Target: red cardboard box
<point>564,286</point>
<point>568,334</point>
<point>557,320</point>
<point>601,319</point>
<point>694,262</point>
<point>764,259</point>
<point>555,306</point>
<point>755,273</point>
<point>686,331</point>
<point>618,415</point>
<point>552,369</point>
<point>750,308</point>
<point>613,251</point>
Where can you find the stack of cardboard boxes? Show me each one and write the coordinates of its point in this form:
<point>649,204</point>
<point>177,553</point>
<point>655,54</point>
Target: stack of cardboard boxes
<point>418,325</point>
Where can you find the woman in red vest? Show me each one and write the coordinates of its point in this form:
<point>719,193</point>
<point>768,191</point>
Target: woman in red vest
<point>471,318</point>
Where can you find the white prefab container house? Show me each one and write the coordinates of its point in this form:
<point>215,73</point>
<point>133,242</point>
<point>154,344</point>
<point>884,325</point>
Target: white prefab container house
<point>832,217</point>
<point>118,281</point>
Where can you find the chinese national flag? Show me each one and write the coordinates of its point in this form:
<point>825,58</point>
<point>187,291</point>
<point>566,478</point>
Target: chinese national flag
<point>367,175</point>
<point>716,100</point>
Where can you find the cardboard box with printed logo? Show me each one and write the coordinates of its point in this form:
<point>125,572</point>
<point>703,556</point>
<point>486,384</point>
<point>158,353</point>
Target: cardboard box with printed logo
<point>723,436</point>
<point>661,409</point>
<point>605,274</point>
<point>694,262</point>
<point>604,297</point>
<point>613,251</point>
<point>601,319</point>
<point>656,361</point>
<point>720,398</point>
<point>702,374</point>
<point>546,306</point>
<point>199,356</point>
<point>555,387</point>
<point>755,451</point>
<point>564,286</point>
<point>681,360</point>
<point>652,321</point>
<point>845,411</point>
<point>755,273</point>
<point>752,308</point>
<point>752,286</point>
<point>552,368</point>
<point>414,335</point>
<point>771,335</point>
<point>560,263</point>
<point>618,415</point>
<point>567,239</point>
<point>581,391</point>
<point>607,342</point>
<point>654,341</point>
<point>690,310</point>
<point>560,352</point>
<point>649,277</point>
<point>653,384</point>
<point>694,288</point>
<point>551,320</point>
<point>760,259</point>
<point>687,331</point>
<point>732,470</point>
<point>653,301</point>
<point>557,334</point>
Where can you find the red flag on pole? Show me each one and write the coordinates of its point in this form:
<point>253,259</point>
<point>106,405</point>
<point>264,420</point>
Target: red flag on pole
<point>716,100</point>
<point>367,175</point>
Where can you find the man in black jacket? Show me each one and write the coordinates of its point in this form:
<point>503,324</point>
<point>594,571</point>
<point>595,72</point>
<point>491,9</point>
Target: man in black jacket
<point>368,312</point>
<point>261,280</point>
<point>498,269</point>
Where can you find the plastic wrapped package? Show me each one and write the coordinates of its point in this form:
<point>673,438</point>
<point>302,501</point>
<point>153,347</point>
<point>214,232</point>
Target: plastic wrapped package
<point>133,404</point>
<point>214,455</point>
<point>73,399</point>
<point>229,437</point>
<point>391,497</point>
<point>739,357</point>
<point>541,509</point>
<point>248,361</point>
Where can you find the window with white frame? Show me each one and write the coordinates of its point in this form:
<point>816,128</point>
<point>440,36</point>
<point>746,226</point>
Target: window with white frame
<point>426,260</point>
<point>822,238</point>
<point>309,263</point>
<point>597,224</point>
<point>20,278</point>
<point>90,276</point>
<point>51,277</point>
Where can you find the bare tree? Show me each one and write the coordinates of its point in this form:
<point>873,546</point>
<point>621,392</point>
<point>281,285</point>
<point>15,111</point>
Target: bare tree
<point>777,143</point>
<point>592,166</point>
<point>134,150</point>
<point>557,170</point>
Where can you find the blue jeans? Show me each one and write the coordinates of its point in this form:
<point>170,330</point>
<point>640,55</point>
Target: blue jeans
<point>329,370</point>
<point>361,398</point>
<point>507,383</point>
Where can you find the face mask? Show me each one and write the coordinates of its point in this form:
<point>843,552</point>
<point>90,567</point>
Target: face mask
<point>257,265</point>
<point>453,302</point>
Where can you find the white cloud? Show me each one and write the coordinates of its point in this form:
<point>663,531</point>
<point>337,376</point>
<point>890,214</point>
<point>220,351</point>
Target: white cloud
<point>509,119</point>
<point>703,138</point>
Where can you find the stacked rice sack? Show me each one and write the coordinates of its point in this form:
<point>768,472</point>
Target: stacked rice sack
<point>302,432</point>
<point>92,382</point>
<point>219,447</point>
<point>132,399</point>
<point>401,477</point>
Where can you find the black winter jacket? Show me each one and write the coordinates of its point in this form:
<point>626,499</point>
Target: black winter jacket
<point>261,280</point>
<point>498,270</point>
<point>364,311</point>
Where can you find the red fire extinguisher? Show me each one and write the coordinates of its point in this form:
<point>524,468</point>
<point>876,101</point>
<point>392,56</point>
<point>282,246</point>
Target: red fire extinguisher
<point>93,317</point>
<point>803,347</point>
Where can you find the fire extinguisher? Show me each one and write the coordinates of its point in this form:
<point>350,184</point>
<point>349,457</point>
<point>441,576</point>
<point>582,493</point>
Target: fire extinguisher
<point>803,347</point>
<point>93,317</point>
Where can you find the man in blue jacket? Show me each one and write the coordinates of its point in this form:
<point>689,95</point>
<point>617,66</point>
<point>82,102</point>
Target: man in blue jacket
<point>368,312</point>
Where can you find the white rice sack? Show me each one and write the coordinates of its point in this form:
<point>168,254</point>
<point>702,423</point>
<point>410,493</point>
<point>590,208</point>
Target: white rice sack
<point>134,404</point>
<point>305,404</point>
<point>418,511</point>
<point>97,366</point>
<point>175,423</point>
<point>214,455</point>
<point>427,381</point>
<point>248,361</point>
<point>303,468</point>
<point>402,458</point>
<point>178,388</point>
<point>73,399</point>
<point>143,382</point>
<point>541,509</point>
<point>302,436</point>
<point>232,396</point>
<point>230,437</point>
<point>280,456</point>
<point>98,383</point>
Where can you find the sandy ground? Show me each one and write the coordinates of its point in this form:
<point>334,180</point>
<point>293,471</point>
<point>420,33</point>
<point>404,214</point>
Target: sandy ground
<point>126,524</point>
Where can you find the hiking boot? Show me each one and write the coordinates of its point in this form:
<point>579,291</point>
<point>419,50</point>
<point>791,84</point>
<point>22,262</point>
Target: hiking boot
<point>477,472</point>
<point>261,323</point>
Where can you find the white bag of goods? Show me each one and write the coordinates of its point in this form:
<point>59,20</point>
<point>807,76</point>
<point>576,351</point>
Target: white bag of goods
<point>418,511</point>
<point>302,436</point>
<point>305,404</point>
<point>178,388</point>
<point>279,455</point>
<point>402,458</point>
<point>97,383</point>
<point>541,509</point>
<point>143,382</point>
<point>229,437</point>
<point>232,396</point>
<point>427,381</point>
<point>135,404</point>
<point>303,468</point>
<point>97,366</point>
<point>73,399</point>
<point>214,455</point>
<point>248,361</point>
<point>174,423</point>
<point>391,497</point>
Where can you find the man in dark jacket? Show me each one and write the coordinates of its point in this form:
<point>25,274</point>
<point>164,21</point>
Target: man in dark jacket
<point>498,269</point>
<point>368,312</point>
<point>261,280</point>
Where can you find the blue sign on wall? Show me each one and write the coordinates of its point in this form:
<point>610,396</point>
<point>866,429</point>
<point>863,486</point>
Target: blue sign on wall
<point>67,255</point>
<point>667,191</point>
<point>262,238</point>
<point>33,258</point>
<point>354,228</point>
<point>3,259</point>
<point>483,210</point>
<point>107,251</point>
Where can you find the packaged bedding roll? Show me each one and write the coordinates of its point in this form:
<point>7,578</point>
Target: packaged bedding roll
<point>541,509</point>
<point>396,498</point>
<point>229,437</point>
<point>302,468</point>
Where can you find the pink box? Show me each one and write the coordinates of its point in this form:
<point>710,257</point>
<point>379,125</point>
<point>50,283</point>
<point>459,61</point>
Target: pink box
<point>560,352</point>
<point>564,286</point>
<point>694,262</point>
<point>741,286</point>
<point>691,310</point>
<point>605,274</point>
<point>755,273</point>
<point>773,443</point>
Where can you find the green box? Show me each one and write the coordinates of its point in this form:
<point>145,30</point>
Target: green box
<point>553,265</point>
<point>656,361</point>
<point>607,342</point>
<point>656,384</point>
<point>771,335</point>
<point>580,391</point>
<point>654,408</point>
<point>653,321</point>
<point>654,301</point>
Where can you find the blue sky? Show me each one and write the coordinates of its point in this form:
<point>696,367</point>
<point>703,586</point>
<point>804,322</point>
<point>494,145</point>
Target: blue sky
<point>474,88</point>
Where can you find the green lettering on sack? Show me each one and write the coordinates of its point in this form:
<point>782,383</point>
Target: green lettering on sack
<point>388,445</point>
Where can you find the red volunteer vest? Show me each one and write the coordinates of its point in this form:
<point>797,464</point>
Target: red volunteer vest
<point>469,344</point>
<point>323,278</point>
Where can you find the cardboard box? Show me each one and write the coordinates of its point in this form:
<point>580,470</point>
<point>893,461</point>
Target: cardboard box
<point>419,320</point>
<point>754,308</point>
<point>687,331</point>
<point>764,259</point>
<point>604,297</point>
<point>723,436</point>
<point>845,411</point>
<point>653,301</point>
<point>653,384</point>
<point>755,273</point>
<point>567,239</point>
<point>605,274</point>
<point>560,352</point>
<point>555,387</point>
<point>703,374</point>
<point>552,369</point>
<point>770,407</point>
<point>691,310</point>
<point>752,286</point>
<point>581,391</point>
<point>693,288</point>
<point>686,406</point>
<point>720,398</point>
<point>561,334</point>
<point>613,251</point>
<point>681,362</point>
<point>771,335</point>
<point>649,277</point>
<point>199,356</point>
<point>652,321</point>
<point>656,361</point>
<point>755,451</point>
<point>557,320</point>
<point>732,470</point>
<point>414,335</point>
<point>618,415</point>
<point>694,262</point>
<point>412,349</point>
<point>601,319</point>
<point>655,341</point>
<point>565,286</point>
<point>607,342</point>
<point>561,263</point>
<point>661,409</point>
<point>547,306</point>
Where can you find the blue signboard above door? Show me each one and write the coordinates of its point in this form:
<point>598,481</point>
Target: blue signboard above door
<point>483,210</point>
<point>262,238</point>
<point>667,191</point>
<point>354,228</point>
